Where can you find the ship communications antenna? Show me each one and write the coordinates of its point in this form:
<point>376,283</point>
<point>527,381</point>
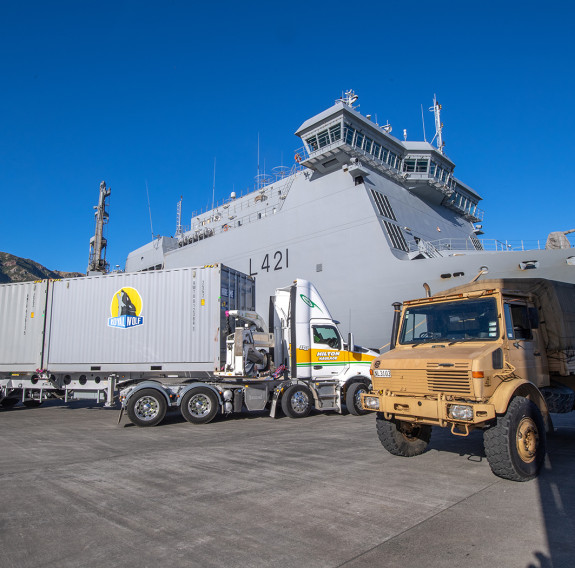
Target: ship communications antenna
<point>348,98</point>
<point>179,217</point>
<point>97,259</point>
<point>436,109</point>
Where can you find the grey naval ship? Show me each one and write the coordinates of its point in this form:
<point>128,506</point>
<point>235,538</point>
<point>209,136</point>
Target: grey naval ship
<point>368,218</point>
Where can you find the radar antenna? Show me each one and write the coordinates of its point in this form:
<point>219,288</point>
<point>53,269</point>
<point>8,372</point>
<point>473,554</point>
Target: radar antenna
<point>97,260</point>
<point>436,109</point>
<point>348,98</point>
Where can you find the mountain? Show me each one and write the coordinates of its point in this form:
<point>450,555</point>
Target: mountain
<point>16,269</point>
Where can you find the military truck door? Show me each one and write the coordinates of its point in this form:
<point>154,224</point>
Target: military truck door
<point>526,352</point>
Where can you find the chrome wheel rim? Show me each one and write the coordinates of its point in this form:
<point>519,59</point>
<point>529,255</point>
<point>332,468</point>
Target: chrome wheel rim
<point>299,402</point>
<point>199,405</point>
<point>147,408</point>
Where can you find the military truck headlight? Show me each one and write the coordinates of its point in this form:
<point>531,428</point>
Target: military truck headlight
<point>460,412</point>
<point>371,402</point>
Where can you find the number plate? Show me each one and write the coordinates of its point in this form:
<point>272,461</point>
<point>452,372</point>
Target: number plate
<point>386,373</point>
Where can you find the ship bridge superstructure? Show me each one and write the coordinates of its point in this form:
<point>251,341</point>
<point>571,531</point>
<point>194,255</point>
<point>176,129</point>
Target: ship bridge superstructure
<point>341,137</point>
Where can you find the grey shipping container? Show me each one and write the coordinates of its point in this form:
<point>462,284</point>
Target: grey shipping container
<point>163,322</point>
<point>22,311</point>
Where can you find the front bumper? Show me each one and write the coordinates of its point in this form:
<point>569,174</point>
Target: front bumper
<point>430,409</point>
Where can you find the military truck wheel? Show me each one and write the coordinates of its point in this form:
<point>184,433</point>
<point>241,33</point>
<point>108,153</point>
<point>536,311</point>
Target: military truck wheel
<point>9,402</point>
<point>559,398</point>
<point>402,438</point>
<point>199,406</point>
<point>32,403</point>
<point>353,398</point>
<point>297,401</point>
<point>147,407</point>
<point>515,446</point>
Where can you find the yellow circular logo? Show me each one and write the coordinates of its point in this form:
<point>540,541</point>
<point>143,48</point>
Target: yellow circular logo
<point>126,302</point>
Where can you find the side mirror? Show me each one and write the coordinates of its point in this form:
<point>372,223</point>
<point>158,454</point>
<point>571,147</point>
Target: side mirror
<point>350,343</point>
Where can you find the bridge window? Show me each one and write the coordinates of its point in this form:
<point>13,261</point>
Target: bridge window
<point>335,132</point>
<point>409,165</point>
<point>421,166</point>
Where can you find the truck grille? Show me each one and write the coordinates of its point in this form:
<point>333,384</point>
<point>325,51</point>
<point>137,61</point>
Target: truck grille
<point>454,379</point>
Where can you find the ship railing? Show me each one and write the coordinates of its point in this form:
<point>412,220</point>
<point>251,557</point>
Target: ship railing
<point>475,244</point>
<point>280,174</point>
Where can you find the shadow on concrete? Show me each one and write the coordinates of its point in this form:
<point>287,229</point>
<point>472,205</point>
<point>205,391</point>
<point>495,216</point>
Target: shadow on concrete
<point>557,496</point>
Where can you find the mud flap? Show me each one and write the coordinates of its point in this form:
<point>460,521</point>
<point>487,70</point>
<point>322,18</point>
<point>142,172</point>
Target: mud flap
<point>121,414</point>
<point>275,399</point>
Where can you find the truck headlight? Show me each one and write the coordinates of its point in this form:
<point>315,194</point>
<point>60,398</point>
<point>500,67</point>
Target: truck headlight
<point>371,402</point>
<point>460,412</point>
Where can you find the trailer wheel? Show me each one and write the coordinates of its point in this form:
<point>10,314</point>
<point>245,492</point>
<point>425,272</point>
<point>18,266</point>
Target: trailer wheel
<point>147,407</point>
<point>32,403</point>
<point>199,406</point>
<point>296,401</point>
<point>353,398</point>
<point>9,402</point>
<point>515,446</point>
<point>402,438</point>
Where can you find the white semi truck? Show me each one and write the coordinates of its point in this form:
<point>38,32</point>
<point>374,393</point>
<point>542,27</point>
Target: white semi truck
<point>186,338</point>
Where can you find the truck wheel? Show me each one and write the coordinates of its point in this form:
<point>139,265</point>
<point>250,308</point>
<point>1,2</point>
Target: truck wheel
<point>559,398</point>
<point>515,445</point>
<point>353,398</point>
<point>9,402</point>
<point>199,406</point>
<point>296,401</point>
<point>147,407</point>
<point>32,403</point>
<point>402,438</point>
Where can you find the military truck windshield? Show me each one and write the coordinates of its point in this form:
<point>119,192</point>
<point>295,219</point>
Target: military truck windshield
<point>464,320</point>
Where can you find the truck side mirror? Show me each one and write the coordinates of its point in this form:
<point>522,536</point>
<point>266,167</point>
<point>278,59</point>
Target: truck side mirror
<point>350,343</point>
<point>533,318</point>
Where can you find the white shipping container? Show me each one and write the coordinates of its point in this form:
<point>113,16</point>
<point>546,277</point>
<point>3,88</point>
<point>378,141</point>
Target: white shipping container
<point>158,321</point>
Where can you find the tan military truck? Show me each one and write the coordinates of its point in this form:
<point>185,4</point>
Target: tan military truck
<point>498,355</point>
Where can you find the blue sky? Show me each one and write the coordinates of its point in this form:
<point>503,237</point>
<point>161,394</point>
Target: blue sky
<point>150,93</point>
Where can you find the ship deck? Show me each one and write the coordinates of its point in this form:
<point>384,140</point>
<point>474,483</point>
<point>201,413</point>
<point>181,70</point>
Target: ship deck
<point>80,490</point>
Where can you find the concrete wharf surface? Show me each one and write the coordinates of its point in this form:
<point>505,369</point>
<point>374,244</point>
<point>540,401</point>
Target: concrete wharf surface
<point>78,490</point>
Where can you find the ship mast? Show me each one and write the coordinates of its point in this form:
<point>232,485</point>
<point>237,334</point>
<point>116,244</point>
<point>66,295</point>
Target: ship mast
<point>436,109</point>
<point>97,260</point>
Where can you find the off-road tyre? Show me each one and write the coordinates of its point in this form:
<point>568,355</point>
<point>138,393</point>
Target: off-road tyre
<point>9,402</point>
<point>515,445</point>
<point>353,399</point>
<point>559,398</point>
<point>297,401</point>
<point>147,407</point>
<point>200,405</point>
<point>402,438</point>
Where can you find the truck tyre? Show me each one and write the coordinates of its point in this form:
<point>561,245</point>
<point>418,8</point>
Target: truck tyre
<point>147,407</point>
<point>296,401</point>
<point>353,398</point>
<point>32,403</point>
<point>402,438</point>
<point>199,406</point>
<point>9,402</point>
<point>559,398</point>
<point>515,445</point>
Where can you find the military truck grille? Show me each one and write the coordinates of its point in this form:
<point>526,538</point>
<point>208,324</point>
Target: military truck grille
<point>454,379</point>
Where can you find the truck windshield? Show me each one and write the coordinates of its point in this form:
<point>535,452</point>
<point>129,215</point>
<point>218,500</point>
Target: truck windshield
<point>463,320</point>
